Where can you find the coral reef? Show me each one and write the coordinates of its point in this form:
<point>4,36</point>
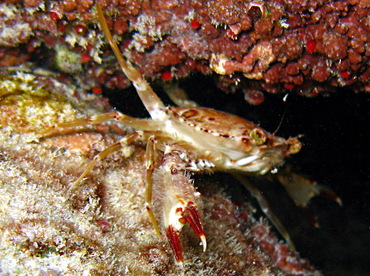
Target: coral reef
<point>308,47</point>
<point>102,228</point>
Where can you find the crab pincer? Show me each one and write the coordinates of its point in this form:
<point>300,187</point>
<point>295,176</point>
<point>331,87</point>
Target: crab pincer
<point>178,200</point>
<point>188,215</point>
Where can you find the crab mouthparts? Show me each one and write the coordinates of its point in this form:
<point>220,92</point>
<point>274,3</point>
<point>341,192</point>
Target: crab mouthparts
<point>189,215</point>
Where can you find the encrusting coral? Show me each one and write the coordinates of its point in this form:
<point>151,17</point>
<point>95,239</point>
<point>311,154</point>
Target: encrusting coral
<point>102,227</point>
<point>309,47</point>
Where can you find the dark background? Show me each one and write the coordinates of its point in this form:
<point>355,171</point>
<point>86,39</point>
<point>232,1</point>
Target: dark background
<point>336,154</point>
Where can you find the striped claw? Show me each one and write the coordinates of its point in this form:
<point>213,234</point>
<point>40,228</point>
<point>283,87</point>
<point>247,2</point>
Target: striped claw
<point>178,217</point>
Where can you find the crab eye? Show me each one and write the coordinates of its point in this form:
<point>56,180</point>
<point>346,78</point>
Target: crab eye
<point>294,145</point>
<point>257,136</point>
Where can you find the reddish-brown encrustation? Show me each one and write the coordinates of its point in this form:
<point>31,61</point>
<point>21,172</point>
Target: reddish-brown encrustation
<point>270,45</point>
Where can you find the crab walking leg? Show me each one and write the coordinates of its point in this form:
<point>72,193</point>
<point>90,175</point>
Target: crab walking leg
<point>142,124</point>
<point>150,159</point>
<point>179,202</point>
<point>151,101</point>
<point>301,190</point>
<point>127,140</point>
<point>178,95</point>
<point>265,207</point>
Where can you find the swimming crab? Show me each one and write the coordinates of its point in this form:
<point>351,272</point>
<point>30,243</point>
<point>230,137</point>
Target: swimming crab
<point>183,140</point>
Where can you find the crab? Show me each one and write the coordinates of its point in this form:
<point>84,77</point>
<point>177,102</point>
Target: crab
<point>190,139</point>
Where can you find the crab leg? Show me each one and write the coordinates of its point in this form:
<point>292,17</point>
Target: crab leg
<point>151,101</point>
<point>150,159</point>
<point>265,207</point>
<point>301,190</point>
<point>178,95</point>
<point>127,140</point>
<point>142,124</point>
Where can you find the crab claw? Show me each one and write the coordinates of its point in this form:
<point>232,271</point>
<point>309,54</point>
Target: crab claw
<point>179,200</point>
<point>178,217</point>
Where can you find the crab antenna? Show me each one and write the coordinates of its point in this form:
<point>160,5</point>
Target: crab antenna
<point>281,120</point>
<point>148,97</point>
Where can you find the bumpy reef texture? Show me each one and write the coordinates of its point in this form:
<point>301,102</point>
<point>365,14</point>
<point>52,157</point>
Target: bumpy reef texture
<point>102,227</point>
<point>308,47</point>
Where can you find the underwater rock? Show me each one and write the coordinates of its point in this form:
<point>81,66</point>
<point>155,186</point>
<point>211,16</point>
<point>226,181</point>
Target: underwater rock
<point>308,47</point>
